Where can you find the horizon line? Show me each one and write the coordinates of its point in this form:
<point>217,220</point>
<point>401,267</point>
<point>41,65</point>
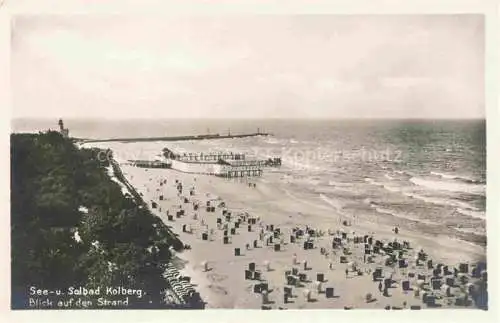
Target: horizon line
<point>242,118</point>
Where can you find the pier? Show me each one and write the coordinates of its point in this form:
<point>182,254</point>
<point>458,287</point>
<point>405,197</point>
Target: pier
<point>215,157</point>
<point>240,171</point>
<point>222,164</point>
<point>271,162</point>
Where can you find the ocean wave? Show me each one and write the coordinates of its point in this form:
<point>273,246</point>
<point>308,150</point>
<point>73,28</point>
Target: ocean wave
<point>402,172</point>
<point>368,201</point>
<point>462,207</point>
<point>473,214</point>
<point>388,177</point>
<point>299,166</point>
<point>462,178</point>
<point>392,189</point>
<point>336,205</point>
<point>476,189</point>
<point>383,210</point>
<point>439,201</point>
<point>305,201</point>
<point>372,181</point>
<point>379,208</point>
<point>466,207</point>
<point>333,183</point>
<point>271,140</point>
<point>308,181</point>
<point>475,230</point>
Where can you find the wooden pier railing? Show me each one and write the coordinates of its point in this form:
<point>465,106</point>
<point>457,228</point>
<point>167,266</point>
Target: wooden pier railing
<point>149,164</point>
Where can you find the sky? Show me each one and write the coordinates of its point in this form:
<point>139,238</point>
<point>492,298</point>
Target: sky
<point>248,66</point>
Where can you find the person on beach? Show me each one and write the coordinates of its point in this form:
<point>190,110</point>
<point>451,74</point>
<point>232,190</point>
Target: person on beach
<point>346,272</point>
<point>380,286</point>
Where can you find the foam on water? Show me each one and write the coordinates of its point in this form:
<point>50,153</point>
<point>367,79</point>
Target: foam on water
<point>334,183</point>
<point>272,140</point>
<point>406,216</point>
<point>466,179</point>
<point>392,189</point>
<point>304,201</point>
<point>300,166</point>
<point>372,181</point>
<point>388,177</point>
<point>404,174</point>
<point>441,201</point>
<point>472,213</point>
<point>408,191</point>
<point>449,186</point>
<point>470,230</point>
<point>335,204</point>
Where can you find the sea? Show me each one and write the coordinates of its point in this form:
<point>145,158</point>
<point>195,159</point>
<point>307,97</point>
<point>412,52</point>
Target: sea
<point>429,175</point>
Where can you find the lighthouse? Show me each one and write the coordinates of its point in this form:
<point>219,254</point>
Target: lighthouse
<point>64,131</point>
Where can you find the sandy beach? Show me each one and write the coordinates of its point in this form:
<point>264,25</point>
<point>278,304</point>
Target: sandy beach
<point>346,272</point>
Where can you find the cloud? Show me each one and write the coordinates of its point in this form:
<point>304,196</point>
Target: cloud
<point>251,66</point>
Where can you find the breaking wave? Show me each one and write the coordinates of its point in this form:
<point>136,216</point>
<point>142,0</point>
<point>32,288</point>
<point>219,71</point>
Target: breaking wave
<point>471,213</point>
<point>383,210</point>
<point>392,189</point>
<point>333,183</point>
<point>401,172</point>
<point>439,201</point>
<point>272,141</point>
<point>465,179</point>
<point>388,177</point>
<point>373,182</point>
<point>475,189</point>
<point>331,202</point>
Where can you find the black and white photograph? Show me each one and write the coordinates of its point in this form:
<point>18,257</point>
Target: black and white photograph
<point>257,161</point>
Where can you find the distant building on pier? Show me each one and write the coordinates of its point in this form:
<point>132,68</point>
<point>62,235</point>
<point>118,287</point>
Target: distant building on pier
<point>224,164</point>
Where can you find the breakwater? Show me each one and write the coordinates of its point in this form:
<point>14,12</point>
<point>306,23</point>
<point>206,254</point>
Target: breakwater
<point>175,138</point>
